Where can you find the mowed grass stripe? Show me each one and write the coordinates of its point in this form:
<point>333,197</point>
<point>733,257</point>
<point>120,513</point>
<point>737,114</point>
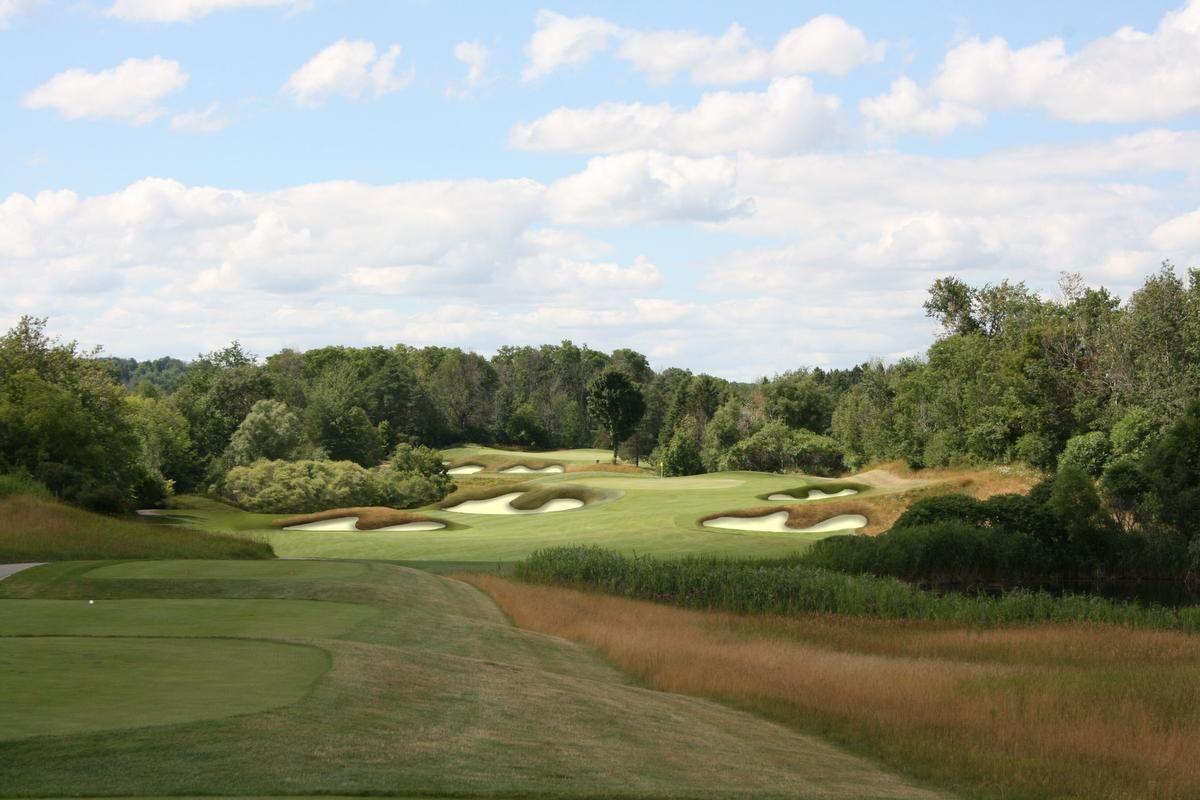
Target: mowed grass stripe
<point>57,686</point>
<point>203,569</point>
<point>277,619</point>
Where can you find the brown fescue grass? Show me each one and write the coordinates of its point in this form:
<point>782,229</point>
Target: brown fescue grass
<point>494,463</point>
<point>806,514</point>
<point>898,487</point>
<point>36,529</point>
<point>369,517</point>
<point>535,495</point>
<point>1028,712</point>
<point>624,469</point>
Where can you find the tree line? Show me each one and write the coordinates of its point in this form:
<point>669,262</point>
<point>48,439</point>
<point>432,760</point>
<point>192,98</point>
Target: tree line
<point>1082,378</point>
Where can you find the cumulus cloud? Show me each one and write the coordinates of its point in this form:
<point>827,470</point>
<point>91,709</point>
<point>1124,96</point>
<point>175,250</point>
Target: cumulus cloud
<point>348,68</point>
<point>827,256</point>
<point>475,56</point>
<point>648,187</point>
<point>11,8</point>
<point>129,92</point>
<point>1128,76</point>
<point>561,41</point>
<point>186,10</point>
<point>208,120</point>
<point>823,44</point>
<point>790,116</point>
<point>907,108</point>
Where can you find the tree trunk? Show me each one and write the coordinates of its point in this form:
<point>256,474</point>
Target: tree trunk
<point>616,445</point>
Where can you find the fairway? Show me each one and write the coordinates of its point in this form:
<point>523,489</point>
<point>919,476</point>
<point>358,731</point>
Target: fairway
<point>641,513</point>
<point>58,686</point>
<point>280,619</point>
<point>227,570</point>
<point>430,691</point>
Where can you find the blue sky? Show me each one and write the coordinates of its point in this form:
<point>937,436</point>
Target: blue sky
<point>620,174</point>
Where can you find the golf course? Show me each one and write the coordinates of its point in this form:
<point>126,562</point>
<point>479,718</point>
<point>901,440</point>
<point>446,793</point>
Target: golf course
<point>240,678</point>
<point>634,511</point>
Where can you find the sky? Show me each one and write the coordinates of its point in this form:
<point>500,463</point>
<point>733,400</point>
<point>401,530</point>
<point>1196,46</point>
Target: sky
<point>740,189</point>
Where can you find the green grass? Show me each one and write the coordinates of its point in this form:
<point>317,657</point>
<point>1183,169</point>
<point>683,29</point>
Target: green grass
<point>200,617</point>
<point>227,570</point>
<point>36,529</point>
<point>58,686</point>
<point>434,693</point>
<point>642,514</point>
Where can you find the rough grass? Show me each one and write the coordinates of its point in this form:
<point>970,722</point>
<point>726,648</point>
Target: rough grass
<point>1034,712</point>
<point>535,494</point>
<point>807,513</point>
<point>790,586</point>
<point>624,469</point>
<point>436,695</point>
<point>37,529</point>
<point>369,517</point>
<point>801,492</point>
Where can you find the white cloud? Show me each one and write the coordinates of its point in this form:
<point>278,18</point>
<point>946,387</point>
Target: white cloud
<point>823,44</point>
<point>129,92</point>
<point>1126,77</point>
<point>824,255</point>
<point>475,56</point>
<point>561,41</point>
<point>348,68</point>
<point>788,117</point>
<point>648,187</point>
<point>1180,235</point>
<point>907,108</point>
<point>11,8</point>
<point>187,10</point>
<point>206,121</point>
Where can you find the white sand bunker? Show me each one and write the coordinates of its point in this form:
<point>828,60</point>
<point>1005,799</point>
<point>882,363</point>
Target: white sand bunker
<point>777,523</point>
<point>348,524</point>
<point>813,494</point>
<point>466,469</point>
<point>503,505</point>
<point>521,469</point>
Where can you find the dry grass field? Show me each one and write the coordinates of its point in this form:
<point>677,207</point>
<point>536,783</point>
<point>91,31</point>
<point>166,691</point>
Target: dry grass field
<point>1023,712</point>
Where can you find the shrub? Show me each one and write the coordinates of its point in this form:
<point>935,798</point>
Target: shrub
<point>1089,451</point>
<point>776,448</point>
<point>681,456</point>
<point>21,483</point>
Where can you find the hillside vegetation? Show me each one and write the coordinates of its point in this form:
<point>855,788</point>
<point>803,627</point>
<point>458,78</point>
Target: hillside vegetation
<point>40,529</point>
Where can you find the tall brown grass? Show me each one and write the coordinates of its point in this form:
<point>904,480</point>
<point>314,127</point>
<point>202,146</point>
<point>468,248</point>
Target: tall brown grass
<point>36,529</point>
<point>369,517</point>
<point>1027,712</point>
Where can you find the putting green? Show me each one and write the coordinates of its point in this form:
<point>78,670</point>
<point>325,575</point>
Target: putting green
<point>64,685</point>
<point>200,569</point>
<point>203,617</point>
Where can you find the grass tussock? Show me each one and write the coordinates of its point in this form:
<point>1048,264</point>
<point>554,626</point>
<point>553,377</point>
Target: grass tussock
<point>37,529</point>
<point>805,514</point>
<point>369,517</point>
<point>1043,712</point>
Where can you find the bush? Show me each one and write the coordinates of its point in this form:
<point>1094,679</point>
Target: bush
<point>1089,451</point>
<point>13,484</point>
<point>681,456</point>
<point>776,448</point>
<point>301,487</point>
<point>1036,450</point>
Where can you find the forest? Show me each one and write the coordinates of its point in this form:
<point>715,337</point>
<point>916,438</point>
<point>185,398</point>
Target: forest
<point>1096,392</point>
